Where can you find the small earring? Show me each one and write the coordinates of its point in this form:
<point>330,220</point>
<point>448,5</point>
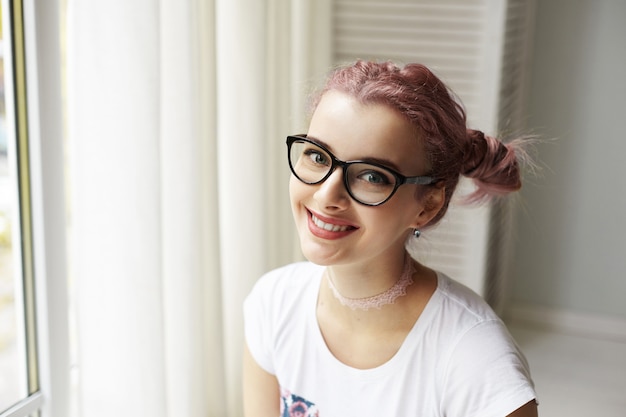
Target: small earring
<point>416,233</point>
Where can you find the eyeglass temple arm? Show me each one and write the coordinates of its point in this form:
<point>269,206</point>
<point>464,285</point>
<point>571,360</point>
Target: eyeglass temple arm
<point>420,180</point>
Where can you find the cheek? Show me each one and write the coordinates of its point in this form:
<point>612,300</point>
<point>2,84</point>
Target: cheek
<point>401,214</point>
<point>293,188</point>
<point>297,197</point>
<point>297,192</point>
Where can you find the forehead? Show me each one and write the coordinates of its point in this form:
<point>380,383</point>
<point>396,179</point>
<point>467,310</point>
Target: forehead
<point>353,130</point>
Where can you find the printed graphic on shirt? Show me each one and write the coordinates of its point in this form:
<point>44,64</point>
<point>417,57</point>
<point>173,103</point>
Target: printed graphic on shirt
<point>292,405</point>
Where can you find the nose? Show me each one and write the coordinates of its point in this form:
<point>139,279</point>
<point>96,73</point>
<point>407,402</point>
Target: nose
<point>332,193</point>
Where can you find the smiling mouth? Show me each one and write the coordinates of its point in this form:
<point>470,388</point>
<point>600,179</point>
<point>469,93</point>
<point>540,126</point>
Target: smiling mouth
<point>329,226</point>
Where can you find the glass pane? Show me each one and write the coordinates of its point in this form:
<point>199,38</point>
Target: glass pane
<point>13,362</point>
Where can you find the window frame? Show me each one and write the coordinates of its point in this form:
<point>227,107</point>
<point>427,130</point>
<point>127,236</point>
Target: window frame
<point>17,131</point>
<point>39,126</point>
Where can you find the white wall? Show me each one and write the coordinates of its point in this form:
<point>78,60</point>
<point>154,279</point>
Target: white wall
<point>571,238</point>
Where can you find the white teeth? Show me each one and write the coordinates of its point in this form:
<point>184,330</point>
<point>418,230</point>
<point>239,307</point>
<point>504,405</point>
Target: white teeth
<point>328,226</point>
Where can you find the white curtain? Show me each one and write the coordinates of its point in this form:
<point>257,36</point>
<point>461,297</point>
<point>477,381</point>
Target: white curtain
<point>177,112</point>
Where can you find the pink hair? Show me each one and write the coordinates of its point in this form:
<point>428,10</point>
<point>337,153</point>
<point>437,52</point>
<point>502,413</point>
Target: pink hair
<point>424,100</point>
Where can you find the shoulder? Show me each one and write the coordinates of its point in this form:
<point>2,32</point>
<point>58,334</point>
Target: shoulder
<point>481,356</point>
<point>288,278</point>
<point>464,303</point>
<point>463,321</point>
<point>279,301</point>
<point>284,286</point>
<point>475,335</point>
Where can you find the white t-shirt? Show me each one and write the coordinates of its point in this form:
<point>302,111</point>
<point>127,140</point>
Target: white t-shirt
<point>457,361</point>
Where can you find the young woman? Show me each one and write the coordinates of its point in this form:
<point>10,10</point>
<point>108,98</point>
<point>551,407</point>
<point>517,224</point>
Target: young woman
<point>362,329</point>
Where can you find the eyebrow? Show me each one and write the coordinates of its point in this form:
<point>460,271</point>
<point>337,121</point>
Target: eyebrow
<point>384,162</point>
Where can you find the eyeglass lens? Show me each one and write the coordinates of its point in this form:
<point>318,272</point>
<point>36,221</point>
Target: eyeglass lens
<point>369,184</point>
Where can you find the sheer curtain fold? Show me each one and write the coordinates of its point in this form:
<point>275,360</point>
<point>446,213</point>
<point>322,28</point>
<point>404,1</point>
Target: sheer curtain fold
<point>176,116</point>
<point>113,113</point>
<point>240,149</point>
<point>181,182</point>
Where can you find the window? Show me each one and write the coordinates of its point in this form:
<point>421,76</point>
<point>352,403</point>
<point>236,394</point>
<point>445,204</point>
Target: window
<point>19,372</point>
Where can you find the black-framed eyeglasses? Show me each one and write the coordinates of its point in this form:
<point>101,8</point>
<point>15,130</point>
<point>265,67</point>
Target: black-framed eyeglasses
<point>367,183</point>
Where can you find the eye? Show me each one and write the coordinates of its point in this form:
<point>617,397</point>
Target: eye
<point>317,157</point>
<point>375,177</point>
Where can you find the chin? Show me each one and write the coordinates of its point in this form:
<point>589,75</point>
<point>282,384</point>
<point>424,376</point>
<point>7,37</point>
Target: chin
<point>317,253</point>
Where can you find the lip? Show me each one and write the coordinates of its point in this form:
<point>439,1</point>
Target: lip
<point>345,228</point>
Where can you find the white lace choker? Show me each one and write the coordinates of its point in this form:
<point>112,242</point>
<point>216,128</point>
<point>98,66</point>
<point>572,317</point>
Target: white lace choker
<point>387,297</point>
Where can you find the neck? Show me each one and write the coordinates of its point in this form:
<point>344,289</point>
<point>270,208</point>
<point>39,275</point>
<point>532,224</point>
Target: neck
<point>371,290</point>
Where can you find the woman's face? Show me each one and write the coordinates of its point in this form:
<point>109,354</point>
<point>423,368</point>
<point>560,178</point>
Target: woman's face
<point>333,228</point>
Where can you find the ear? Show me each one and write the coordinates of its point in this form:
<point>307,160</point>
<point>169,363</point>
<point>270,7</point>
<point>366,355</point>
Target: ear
<point>432,200</point>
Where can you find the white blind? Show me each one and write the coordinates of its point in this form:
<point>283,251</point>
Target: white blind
<point>448,36</point>
<point>462,42</point>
